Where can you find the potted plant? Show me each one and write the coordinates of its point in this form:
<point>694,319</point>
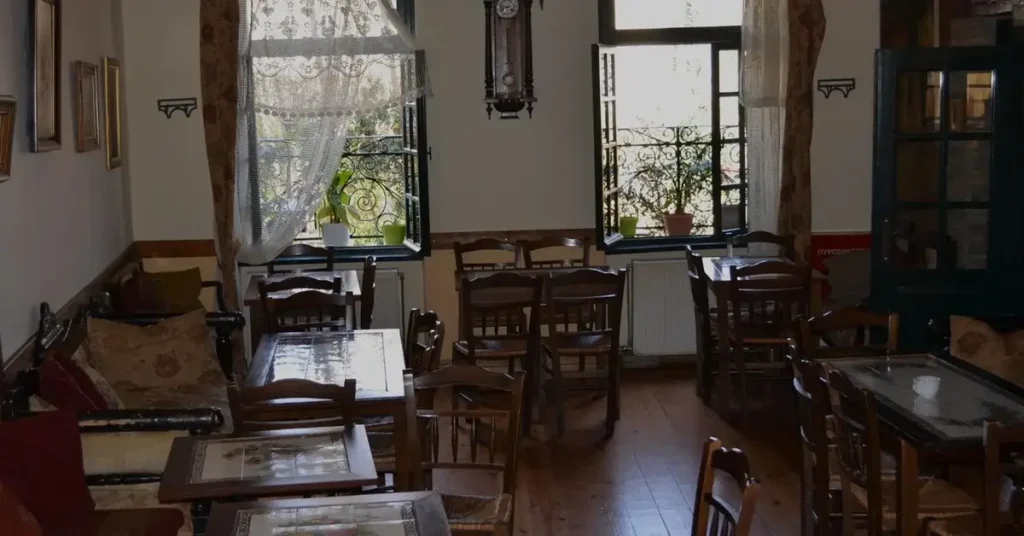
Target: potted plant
<point>627,226</point>
<point>394,233</point>
<point>336,212</point>
<point>667,182</point>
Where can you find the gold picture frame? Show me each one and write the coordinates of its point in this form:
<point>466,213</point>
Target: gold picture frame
<point>87,106</point>
<point>112,107</point>
<point>45,29</point>
<point>8,106</point>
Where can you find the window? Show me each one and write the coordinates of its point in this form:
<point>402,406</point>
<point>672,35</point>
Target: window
<point>669,128</point>
<point>384,155</point>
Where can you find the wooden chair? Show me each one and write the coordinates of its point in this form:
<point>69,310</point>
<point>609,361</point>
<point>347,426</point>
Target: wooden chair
<point>859,457</point>
<point>584,320</point>
<point>529,248</point>
<point>705,323</point>
<point>492,443</point>
<point>302,250</point>
<point>284,404</point>
<point>817,485</point>
<point>847,331</point>
<point>419,326</point>
<point>1002,443</point>
<point>493,314</point>
<point>310,310</point>
<point>713,515</point>
<point>368,288</point>
<point>764,302</point>
<point>786,243</point>
<point>486,244</point>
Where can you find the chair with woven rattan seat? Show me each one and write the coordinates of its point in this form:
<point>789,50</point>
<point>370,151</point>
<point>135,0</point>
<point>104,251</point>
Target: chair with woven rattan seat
<point>583,311</point>
<point>489,444</point>
<point>848,331</point>
<point>291,403</point>
<point>492,246</point>
<point>530,249</point>
<point>517,346</point>
<point>705,323</point>
<point>310,310</point>
<point>764,302</point>
<point>368,291</point>
<point>1002,445</point>
<point>417,332</point>
<point>715,511</point>
<point>786,244</point>
<point>859,454</point>
<point>320,255</point>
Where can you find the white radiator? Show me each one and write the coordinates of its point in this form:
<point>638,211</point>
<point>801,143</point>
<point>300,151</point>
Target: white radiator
<point>660,308</point>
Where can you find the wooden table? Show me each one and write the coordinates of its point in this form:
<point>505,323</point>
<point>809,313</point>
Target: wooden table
<point>947,428</point>
<point>404,514</point>
<point>266,464</point>
<point>251,298</point>
<point>719,272</point>
<point>374,357</point>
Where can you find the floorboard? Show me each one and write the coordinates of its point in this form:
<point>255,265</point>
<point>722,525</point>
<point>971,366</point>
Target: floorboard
<point>642,481</point>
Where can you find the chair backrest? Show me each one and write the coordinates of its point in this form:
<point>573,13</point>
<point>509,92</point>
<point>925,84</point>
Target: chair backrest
<point>812,410</point>
<point>529,248</point>
<point>858,443</point>
<point>846,329</point>
<point>292,403</point>
<point>492,433</point>
<point>302,250</point>
<point>486,244</point>
<point>310,310</point>
<point>1003,443</point>
<point>418,339</point>
<point>701,299</point>
<point>368,288</point>
<point>497,305</point>
<point>769,293</point>
<point>584,308</point>
<point>786,243</point>
<point>712,513</point>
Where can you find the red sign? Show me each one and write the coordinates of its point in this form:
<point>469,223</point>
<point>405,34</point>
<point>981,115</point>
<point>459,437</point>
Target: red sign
<point>826,245</point>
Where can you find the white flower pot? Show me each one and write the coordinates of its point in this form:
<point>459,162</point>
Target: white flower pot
<point>336,235</point>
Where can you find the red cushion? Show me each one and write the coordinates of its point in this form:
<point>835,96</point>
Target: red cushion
<point>41,459</point>
<point>134,522</point>
<point>65,385</point>
<point>14,518</point>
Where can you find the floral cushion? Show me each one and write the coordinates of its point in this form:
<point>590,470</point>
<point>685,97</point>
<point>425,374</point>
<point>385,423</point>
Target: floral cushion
<point>975,341</point>
<point>127,452</point>
<point>175,352</point>
<point>98,381</point>
<point>138,496</point>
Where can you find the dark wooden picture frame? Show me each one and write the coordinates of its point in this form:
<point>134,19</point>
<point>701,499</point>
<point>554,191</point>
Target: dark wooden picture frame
<point>8,107</point>
<point>45,29</point>
<point>112,107</point>
<point>87,106</point>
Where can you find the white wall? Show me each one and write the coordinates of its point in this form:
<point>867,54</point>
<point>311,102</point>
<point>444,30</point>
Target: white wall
<point>62,214</point>
<point>171,197</point>
<point>841,151</point>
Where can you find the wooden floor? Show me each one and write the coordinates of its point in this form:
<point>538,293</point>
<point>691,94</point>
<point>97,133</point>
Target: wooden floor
<point>642,480</point>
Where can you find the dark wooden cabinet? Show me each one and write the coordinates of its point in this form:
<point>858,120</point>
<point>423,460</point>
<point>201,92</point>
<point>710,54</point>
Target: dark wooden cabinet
<point>947,215</point>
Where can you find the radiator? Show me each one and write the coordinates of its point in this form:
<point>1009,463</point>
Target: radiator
<point>661,319</point>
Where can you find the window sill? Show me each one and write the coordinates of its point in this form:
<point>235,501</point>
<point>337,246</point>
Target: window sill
<point>620,245</point>
<point>356,254</point>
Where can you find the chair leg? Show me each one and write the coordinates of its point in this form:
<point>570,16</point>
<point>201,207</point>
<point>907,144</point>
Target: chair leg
<point>557,392</point>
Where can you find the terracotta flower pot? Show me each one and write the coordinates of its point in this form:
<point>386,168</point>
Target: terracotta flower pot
<point>680,224</point>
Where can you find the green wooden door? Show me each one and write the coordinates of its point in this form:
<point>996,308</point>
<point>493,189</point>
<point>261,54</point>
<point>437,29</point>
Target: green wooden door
<point>945,187</point>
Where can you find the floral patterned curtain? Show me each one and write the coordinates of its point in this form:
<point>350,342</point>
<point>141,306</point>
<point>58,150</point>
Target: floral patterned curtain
<point>806,33</point>
<point>218,59</point>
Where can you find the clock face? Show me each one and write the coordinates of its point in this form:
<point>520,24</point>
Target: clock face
<point>508,79</point>
<point>507,9</point>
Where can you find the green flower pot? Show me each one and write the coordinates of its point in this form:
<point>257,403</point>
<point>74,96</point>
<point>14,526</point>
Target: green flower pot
<point>627,226</point>
<point>394,234</point>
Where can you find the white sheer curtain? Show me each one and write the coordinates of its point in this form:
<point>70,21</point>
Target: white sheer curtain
<point>763,94</point>
<point>308,70</point>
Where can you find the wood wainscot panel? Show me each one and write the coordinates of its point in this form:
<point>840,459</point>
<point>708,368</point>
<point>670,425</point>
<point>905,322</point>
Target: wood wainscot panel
<point>173,249</point>
<point>448,240</point>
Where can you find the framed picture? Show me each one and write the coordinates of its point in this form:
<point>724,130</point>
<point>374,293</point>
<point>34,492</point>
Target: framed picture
<point>112,104</point>
<point>7,107</point>
<point>87,106</point>
<point>45,29</point>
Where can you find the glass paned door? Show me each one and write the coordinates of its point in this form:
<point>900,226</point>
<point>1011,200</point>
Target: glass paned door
<point>934,167</point>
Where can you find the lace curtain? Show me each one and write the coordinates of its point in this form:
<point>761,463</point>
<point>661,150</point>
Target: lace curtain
<point>763,94</point>
<point>308,71</point>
